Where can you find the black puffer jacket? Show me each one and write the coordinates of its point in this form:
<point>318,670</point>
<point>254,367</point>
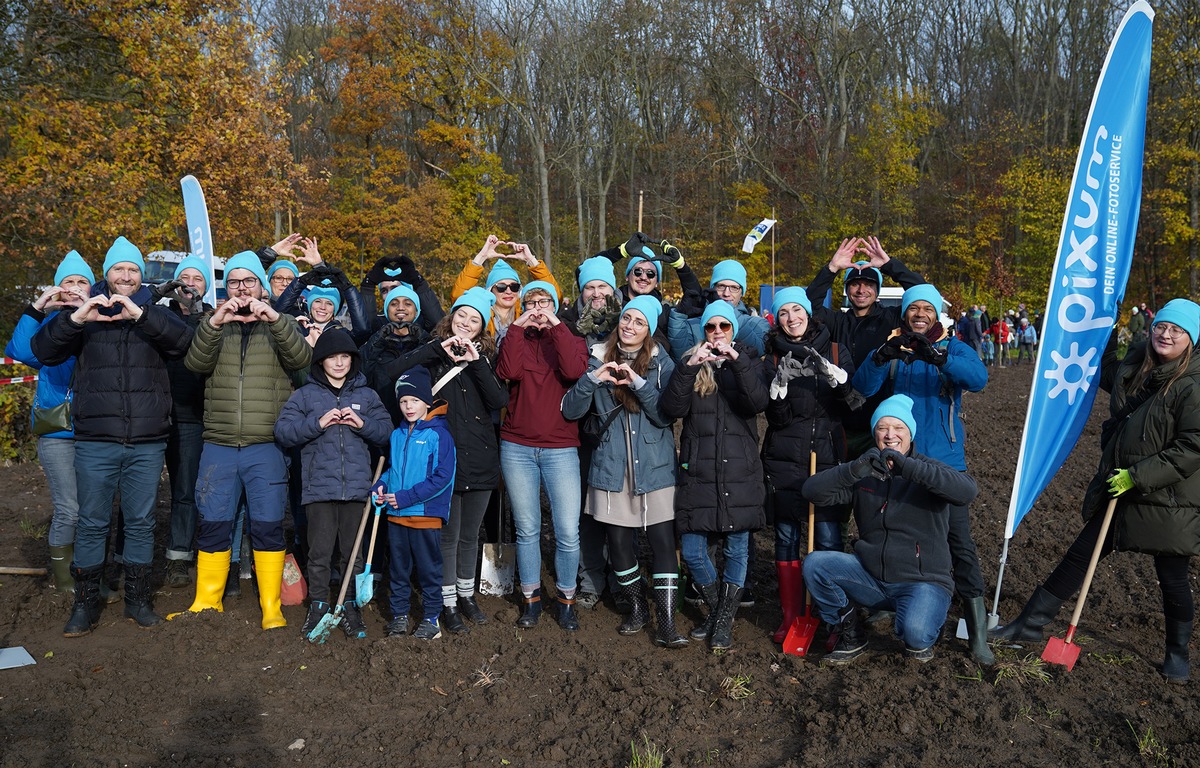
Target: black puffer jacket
<point>808,418</point>
<point>381,358</point>
<point>473,398</point>
<point>720,487</point>
<point>903,521</point>
<point>187,388</point>
<point>122,391</point>
<point>1157,438</point>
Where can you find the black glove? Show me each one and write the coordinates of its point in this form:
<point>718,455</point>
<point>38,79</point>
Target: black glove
<point>864,465</point>
<point>924,350</point>
<point>401,268</point>
<point>671,254</point>
<point>896,459</point>
<point>891,350</point>
<point>322,274</point>
<point>636,246</point>
<point>691,305</point>
<point>173,289</point>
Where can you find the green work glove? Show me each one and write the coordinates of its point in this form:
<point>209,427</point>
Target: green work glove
<point>1119,481</point>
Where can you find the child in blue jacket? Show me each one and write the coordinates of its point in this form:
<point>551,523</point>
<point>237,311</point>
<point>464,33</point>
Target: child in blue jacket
<point>417,489</point>
<point>335,419</point>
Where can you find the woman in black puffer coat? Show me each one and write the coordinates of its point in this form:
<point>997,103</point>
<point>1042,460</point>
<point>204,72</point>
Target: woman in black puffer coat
<point>718,391</point>
<point>809,378</point>
<point>474,397</point>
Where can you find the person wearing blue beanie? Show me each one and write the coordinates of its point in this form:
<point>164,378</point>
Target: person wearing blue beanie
<point>730,271</point>
<point>791,295</point>
<point>722,309</point>
<point>402,305</point>
<point>198,266</point>
<point>323,306</point>
<point>502,280</point>
<point>897,407</point>
<point>73,264</point>
<point>246,261</point>
<point>280,276</point>
<point>926,293</point>
<point>122,251</point>
<point>545,287</point>
<point>1181,313</point>
<point>502,271</point>
<point>649,308</point>
<point>479,299</point>
<point>597,268</point>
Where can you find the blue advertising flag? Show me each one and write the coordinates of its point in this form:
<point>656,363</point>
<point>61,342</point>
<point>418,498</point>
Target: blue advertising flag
<point>1092,266</point>
<point>200,242</point>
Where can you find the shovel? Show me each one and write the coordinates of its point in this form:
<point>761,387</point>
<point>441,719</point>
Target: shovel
<point>320,633</point>
<point>496,569</point>
<point>364,583</point>
<point>1064,651</point>
<point>800,635</point>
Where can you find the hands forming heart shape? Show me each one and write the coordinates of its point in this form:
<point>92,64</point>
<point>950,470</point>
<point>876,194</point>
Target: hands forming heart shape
<point>347,416</point>
<point>107,309</point>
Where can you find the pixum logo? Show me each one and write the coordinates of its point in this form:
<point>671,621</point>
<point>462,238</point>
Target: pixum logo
<point>198,242</point>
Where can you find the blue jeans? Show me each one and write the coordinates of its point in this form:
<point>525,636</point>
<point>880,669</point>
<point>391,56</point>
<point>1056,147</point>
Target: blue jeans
<point>183,467</point>
<point>827,536</point>
<point>57,456</point>
<point>526,470</point>
<point>224,473</point>
<point>101,471</point>
<point>694,548</point>
<point>837,579</point>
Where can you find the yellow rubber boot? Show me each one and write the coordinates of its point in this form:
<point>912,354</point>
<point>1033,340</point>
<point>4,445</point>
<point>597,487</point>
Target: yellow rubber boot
<point>269,568</point>
<point>212,568</point>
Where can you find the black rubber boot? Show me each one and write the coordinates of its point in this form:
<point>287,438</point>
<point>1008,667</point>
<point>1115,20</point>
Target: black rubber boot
<point>1038,612</point>
<point>1175,666</point>
<point>233,583</point>
<point>470,608</point>
<point>85,614</point>
<point>976,616</point>
<point>666,597</point>
<point>639,614</point>
<point>568,619</point>
<point>137,596</point>
<point>317,610</point>
<point>851,638</point>
<point>532,610</point>
<point>710,594</point>
<point>452,620</point>
<point>727,605</point>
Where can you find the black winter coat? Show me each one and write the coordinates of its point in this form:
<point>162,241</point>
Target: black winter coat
<point>187,387</point>
<point>380,359</point>
<point>720,476</point>
<point>122,391</point>
<point>473,398</point>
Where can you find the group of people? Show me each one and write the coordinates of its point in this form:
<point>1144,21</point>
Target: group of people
<point>295,396</point>
<point>996,340</point>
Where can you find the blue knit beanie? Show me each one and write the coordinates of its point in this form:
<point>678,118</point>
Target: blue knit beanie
<point>478,299</point>
<point>402,291</point>
<point>649,308</point>
<point>720,309</point>
<point>898,407</point>
<point>793,294</point>
<point>123,251</point>
<point>862,271</point>
<point>1181,312</point>
<point>283,264</point>
<point>196,263</point>
<point>73,264</point>
<point>502,271</point>
<point>597,268</point>
<point>333,295</point>
<point>635,260</point>
<point>731,270</point>
<point>247,260</point>
<point>924,292</point>
<point>545,286</point>
<point>415,382</point>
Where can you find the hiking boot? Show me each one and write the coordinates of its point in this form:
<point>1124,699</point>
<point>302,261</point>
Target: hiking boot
<point>922,655</point>
<point>452,620</point>
<point>702,630</point>
<point>532,610</point>
<point>352,621</point>
<point>851,638</point>
<point>85,614</point>
<point>1037,613</point>
<point>317,610</point>
<point>568,619</point>
<point>745,597</point>
<point>137,596</point>
<point>692,594</point>
<point>727,606</point>
<point>178,574</point>
<point>398,627</point>
<point>428,630</point>
<point>470,608</point>
<point>587,600</point>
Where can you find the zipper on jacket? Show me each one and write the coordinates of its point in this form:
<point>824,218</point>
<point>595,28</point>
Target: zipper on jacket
<point>342,448</point>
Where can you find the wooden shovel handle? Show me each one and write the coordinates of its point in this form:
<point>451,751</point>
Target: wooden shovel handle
<point>1091,571</point>
<point>362,526</point>
<point>9,570</point>
<point>812,521</point>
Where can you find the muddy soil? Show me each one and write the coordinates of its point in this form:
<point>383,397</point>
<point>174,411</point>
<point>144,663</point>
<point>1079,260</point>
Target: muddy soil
<point>216,690</point>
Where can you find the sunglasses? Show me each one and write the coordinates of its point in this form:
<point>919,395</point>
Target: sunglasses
<point>645,273</point>
<point>718,326</point>
<point>506,287</point>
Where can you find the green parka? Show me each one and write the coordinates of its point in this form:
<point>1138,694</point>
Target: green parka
<point>1157,438</point>
<point>249,367</point>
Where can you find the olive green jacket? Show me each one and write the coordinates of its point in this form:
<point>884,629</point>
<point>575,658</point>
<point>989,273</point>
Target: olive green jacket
<point>248,367</point>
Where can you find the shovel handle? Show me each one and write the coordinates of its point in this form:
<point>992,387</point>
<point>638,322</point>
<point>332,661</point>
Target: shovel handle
<point>374,531</point>
<point>1091,571</point>
<point>812,521</point>
<point>362,526</point>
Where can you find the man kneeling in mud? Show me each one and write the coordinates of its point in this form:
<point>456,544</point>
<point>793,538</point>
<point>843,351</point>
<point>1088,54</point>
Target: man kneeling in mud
<point>901,560</point>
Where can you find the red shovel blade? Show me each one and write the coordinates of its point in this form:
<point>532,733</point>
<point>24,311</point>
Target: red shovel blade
<point>1062,652</point>
<point>800,635</point>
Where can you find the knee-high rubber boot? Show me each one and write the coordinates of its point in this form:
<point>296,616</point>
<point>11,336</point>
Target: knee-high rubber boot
<point>710,593</point>
<point>85,614</point>
<point>211,570</point>
<point>789,595</point>
<point>666,597</point>
<point>976,616</point>
<point>722,634</point>
<point>137,596</point>
<point>60,567</point>
<point>1037,613</point>
<point>269,568</point>
<point>1175,666</point>
<point>639,615</point>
